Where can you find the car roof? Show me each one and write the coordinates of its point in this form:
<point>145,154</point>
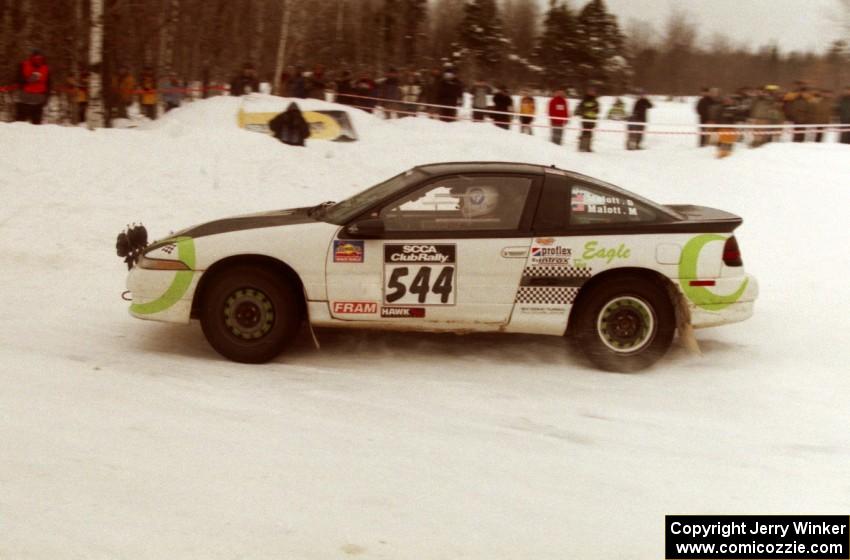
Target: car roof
<point>448,168</point>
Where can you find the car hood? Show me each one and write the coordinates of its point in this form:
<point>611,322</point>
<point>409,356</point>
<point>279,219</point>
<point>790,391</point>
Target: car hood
<point>276,218</point>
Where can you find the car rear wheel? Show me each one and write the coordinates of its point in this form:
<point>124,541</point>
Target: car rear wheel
<point>249,314</point>
<point>625,324</point>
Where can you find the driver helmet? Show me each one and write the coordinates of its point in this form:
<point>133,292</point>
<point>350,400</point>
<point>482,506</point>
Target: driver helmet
<point>479,201</point>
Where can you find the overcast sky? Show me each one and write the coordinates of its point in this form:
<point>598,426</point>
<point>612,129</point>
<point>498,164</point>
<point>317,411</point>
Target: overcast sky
<point>794,24</point>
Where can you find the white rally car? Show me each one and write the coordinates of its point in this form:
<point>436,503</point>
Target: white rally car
<point>456,247</point>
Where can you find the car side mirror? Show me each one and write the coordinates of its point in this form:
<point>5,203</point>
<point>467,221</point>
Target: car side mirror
<point>370,227</point>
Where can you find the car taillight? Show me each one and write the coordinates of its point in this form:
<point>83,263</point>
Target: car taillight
<point>731,253</point>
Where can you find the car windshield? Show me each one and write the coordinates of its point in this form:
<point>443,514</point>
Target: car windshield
<point>341,212</point>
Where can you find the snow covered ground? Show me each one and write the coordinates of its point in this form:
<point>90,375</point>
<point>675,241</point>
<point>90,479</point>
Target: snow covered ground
<point>128,439</point>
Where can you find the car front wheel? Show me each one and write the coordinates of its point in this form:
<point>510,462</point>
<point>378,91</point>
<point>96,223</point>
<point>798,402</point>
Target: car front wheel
<point>249,314</point>
<point>625,324</point>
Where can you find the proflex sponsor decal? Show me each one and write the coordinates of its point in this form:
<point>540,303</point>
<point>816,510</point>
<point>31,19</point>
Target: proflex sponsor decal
<point>403,312</point>
<point>346,251</point>
<point>702,296</point>
<point>419,273</point>
<point>550,255</point>
<point>355,307</point>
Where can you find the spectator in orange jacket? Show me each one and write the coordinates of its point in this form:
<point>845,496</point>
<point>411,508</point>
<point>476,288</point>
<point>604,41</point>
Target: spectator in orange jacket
<point>559,115</point>
<point>123,86</point>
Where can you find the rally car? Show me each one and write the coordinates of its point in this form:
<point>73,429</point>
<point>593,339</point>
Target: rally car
<point>455,247</point>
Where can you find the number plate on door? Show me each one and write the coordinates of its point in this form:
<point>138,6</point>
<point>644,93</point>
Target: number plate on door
<point>420,273</point>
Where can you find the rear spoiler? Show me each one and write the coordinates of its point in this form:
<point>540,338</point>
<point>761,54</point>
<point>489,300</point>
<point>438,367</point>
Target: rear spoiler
<point>711,219</point>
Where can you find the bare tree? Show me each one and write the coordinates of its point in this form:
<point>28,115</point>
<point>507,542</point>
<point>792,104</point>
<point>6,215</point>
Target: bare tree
<point>283,38</point>
<point>95,110</point>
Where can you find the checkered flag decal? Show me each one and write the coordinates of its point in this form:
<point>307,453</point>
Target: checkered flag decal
<point>546,296</point>
<point>556,272</point>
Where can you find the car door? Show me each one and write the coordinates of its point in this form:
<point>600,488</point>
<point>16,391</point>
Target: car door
<point>450,254</point>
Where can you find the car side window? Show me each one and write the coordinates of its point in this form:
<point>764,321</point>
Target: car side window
<point>460,203</point>
<point>594,205</point>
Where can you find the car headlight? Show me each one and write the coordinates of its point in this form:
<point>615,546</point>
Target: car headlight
<point>148,263</point>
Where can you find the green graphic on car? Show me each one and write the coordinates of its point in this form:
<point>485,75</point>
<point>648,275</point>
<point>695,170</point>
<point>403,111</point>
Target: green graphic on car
<point>180,284</point>
<point>701,296</point>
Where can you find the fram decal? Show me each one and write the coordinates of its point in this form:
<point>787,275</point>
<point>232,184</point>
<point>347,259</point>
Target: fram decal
<point>355,307</point>
<point>701,296</point>
<point>403,312</point>
<point>544,240</point>
<point>346,251</point>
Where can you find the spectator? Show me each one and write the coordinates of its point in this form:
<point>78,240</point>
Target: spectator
<point>246,82</point>
<point>124,86</point>
<point>344,89</point>
<point>527,109</point>
<point>431,90</point>
<point>171,91</point>
<point>317,85</point>
<point>844,115</point>
<point>637,122</point>
<point>706,109</point>
<point>410,93</point>
<point>559,115</point>
<point>588,110</point>
<point>390,93</point>
<point>480,92</point>
<point>617,112</point>
<point>80,96</point>
<point>798,111</point>
<point>765,110</point>
<point>502,104</point>
<point>290,127</point>
<point>821,105</point>
<point>299,84</point>
<point>34,84</point>
<point>728,114</point>
<point>284,84</point>
<point>449,94</point>
<point>148,98</point>
<point>365,89</point>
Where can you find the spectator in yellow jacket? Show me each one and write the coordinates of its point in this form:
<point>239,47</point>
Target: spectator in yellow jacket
<point>527,111</point>
<point>148,97</point>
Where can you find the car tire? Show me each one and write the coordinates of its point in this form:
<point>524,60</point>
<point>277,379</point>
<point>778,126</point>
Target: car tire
<point>625,324</point>
<point>250,314</point>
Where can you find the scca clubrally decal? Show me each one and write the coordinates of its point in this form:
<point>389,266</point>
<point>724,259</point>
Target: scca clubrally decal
<point>420,273</point>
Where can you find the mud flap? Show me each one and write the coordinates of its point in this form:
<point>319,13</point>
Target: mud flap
<point>683,321</point>
<point>310,323</point>
<point>324,125</point>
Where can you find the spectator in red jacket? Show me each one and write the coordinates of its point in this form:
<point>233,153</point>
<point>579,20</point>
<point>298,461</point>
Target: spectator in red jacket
<point>34,87</point>
<point>559,115</point>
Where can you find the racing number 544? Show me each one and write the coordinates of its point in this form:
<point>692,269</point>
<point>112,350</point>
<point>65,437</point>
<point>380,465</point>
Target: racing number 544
<point>420,285</point>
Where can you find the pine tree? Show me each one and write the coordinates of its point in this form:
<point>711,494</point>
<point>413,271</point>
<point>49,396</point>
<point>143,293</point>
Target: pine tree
<point>557,50</point>
<point>602,58</point>
<point>481,35</point>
